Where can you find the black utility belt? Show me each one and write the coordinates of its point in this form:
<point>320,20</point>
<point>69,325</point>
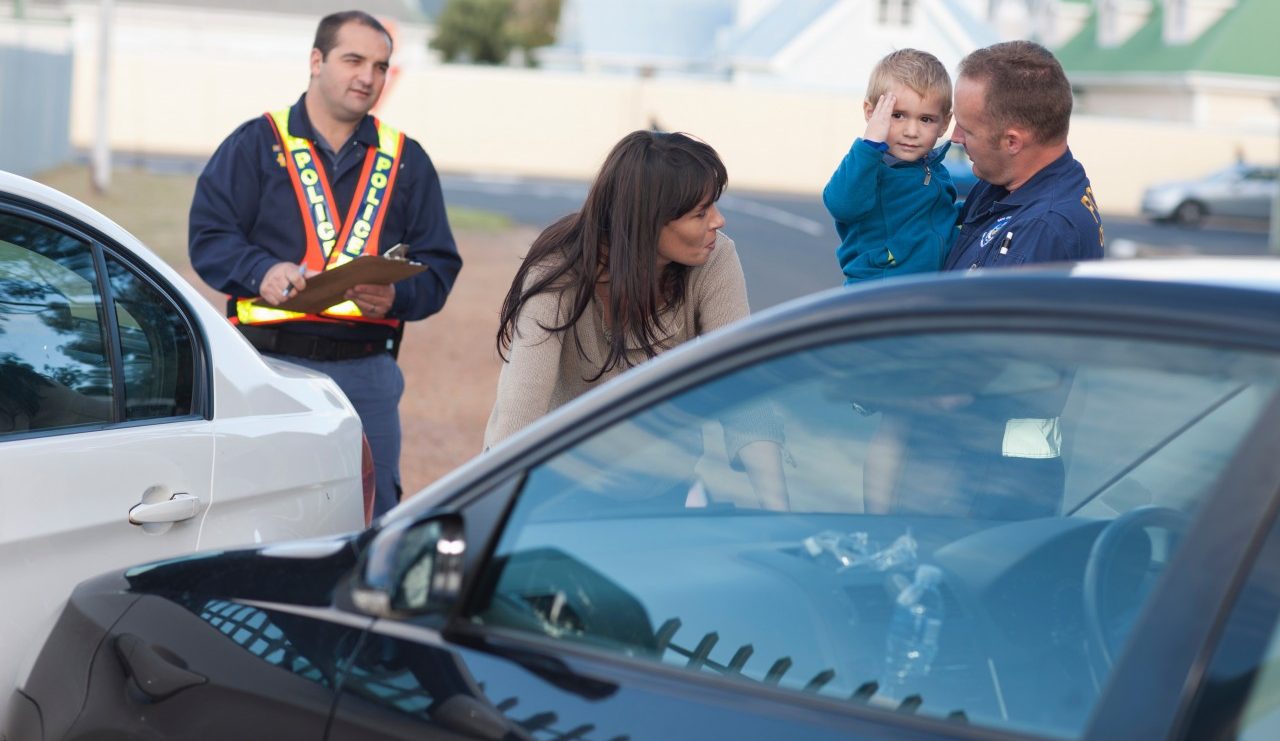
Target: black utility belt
<point>312,347</point>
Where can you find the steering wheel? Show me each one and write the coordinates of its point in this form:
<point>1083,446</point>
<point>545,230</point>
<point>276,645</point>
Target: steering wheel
<point>1110,571</point>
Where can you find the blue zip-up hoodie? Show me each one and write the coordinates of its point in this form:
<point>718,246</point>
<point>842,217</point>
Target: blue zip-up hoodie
<point>893,217</point>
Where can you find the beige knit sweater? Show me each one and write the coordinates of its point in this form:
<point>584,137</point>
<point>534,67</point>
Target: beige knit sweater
<point>545,370</point>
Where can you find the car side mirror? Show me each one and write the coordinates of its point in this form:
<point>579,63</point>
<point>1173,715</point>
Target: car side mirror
<point>411,568</point>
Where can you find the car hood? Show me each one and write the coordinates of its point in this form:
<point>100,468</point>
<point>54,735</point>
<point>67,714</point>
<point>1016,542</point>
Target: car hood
<point>300,572</point>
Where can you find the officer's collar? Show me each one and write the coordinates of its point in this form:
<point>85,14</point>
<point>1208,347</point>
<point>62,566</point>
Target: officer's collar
<point>1032,189</point>
<point>300,126</point>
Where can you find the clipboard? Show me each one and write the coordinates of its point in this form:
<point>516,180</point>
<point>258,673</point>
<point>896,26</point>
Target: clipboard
<point>325,289</point>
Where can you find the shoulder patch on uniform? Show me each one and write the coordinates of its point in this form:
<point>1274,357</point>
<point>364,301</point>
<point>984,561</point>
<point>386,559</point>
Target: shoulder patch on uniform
<point>995,229</point>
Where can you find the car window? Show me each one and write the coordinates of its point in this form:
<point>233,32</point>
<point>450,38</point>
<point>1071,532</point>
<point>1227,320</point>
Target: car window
<point>53,350</point>
<point>1240,695</point>
<point>55,335</point>
<point>155,346</point>
<point>971,522</point>
<point>1261,718</point>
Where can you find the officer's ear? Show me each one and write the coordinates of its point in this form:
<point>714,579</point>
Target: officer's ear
<point>1014,140</point>
<point>316,58</point>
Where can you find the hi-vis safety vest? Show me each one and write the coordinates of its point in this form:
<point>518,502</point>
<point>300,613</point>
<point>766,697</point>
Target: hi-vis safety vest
<point>331,242</point>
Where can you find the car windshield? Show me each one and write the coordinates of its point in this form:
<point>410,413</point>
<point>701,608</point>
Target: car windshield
<point>971,523</point>
<point>1227,174</point>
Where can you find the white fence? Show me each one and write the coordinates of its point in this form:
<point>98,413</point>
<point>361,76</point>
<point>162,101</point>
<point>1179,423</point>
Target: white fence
<point>35,98</point>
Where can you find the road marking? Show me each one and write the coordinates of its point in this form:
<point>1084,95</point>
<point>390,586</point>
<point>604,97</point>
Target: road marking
<point>772,213</point>
<point>513,186</point>
<point>509,185</point>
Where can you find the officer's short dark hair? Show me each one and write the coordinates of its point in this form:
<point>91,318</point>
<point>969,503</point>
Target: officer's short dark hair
<point>1024,86</point>
<point>327,31</point>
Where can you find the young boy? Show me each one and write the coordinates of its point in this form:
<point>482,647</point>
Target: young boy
<point>891,197</point>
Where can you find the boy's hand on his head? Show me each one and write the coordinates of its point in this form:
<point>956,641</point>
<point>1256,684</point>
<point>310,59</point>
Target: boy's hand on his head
<point>880,118</point>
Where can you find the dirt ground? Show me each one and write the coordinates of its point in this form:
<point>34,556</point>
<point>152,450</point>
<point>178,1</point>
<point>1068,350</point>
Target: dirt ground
<point>449,361</point>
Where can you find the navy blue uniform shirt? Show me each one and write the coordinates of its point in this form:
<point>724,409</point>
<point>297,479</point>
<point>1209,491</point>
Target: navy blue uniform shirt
<point>245,217</point>
<point>1051,218</point>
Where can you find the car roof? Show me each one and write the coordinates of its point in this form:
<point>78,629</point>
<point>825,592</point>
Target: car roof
<point>1200,298</point>
<point>47,199</point>
<point>64,208</point>
<point>51,199</point>
<point>1252,273</point>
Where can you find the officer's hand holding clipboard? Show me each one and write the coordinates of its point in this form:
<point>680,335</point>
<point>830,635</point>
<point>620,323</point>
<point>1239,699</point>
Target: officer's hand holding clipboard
<point>326,288</point>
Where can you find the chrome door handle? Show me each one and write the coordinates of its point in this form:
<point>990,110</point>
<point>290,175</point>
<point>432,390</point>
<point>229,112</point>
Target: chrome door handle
<point>176,509</point>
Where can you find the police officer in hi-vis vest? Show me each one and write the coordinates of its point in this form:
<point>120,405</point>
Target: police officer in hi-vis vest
<point>308,188</point>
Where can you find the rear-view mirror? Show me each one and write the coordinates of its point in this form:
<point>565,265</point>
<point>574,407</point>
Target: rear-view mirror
<point>411,568</point>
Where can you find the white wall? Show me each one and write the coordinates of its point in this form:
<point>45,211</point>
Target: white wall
<point>183,93</point>
<point>1123,155</point>
<point>181,79</point>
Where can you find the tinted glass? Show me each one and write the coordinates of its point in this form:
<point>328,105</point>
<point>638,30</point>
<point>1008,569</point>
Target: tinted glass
<point>1240,696</point>
<point>156,347</point>
<point>54,371</point>
<point>1261,718</point>
<point>959,525</point>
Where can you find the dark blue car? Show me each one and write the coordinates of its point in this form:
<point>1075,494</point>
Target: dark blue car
<point>1021,504</point>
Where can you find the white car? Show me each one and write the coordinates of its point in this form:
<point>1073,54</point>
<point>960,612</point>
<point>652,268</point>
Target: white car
<point>1241,191</point>
<point>136,423</point>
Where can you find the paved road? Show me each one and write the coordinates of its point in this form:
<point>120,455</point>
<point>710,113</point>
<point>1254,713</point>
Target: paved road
<point>787,242</point>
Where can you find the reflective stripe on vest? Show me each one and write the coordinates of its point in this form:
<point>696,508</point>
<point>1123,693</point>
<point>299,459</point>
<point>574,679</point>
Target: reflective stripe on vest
<point>332,241</point>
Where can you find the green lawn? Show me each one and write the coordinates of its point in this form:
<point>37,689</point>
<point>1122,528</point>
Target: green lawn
<point>153,206</point>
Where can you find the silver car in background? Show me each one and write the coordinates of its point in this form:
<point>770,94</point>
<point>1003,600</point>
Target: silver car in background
<point>1241,190</point>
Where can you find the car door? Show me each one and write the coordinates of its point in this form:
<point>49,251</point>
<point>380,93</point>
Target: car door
<point>1243,192</point>
<point>1221,191</point>
<point>101,416</point>
<point>1258,192</point>
<point>1239,695</point>
<point>977,525</point>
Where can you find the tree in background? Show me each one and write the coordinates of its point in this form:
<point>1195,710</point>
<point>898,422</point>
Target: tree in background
<point>488,31</point>
<point>533,23</point>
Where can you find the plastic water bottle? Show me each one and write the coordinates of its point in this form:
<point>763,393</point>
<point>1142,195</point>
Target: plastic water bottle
<point>899,556</point>
<point>854,550</point>
<point>913,633</point>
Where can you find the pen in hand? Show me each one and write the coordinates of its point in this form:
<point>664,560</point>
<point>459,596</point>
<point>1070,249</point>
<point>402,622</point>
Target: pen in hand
<point>288,290</point>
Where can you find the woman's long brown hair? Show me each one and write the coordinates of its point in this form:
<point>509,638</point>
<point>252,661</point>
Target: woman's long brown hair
<point>649,179</point>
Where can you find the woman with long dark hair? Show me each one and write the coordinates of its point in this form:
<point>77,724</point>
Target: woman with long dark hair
<point>641,268</point>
